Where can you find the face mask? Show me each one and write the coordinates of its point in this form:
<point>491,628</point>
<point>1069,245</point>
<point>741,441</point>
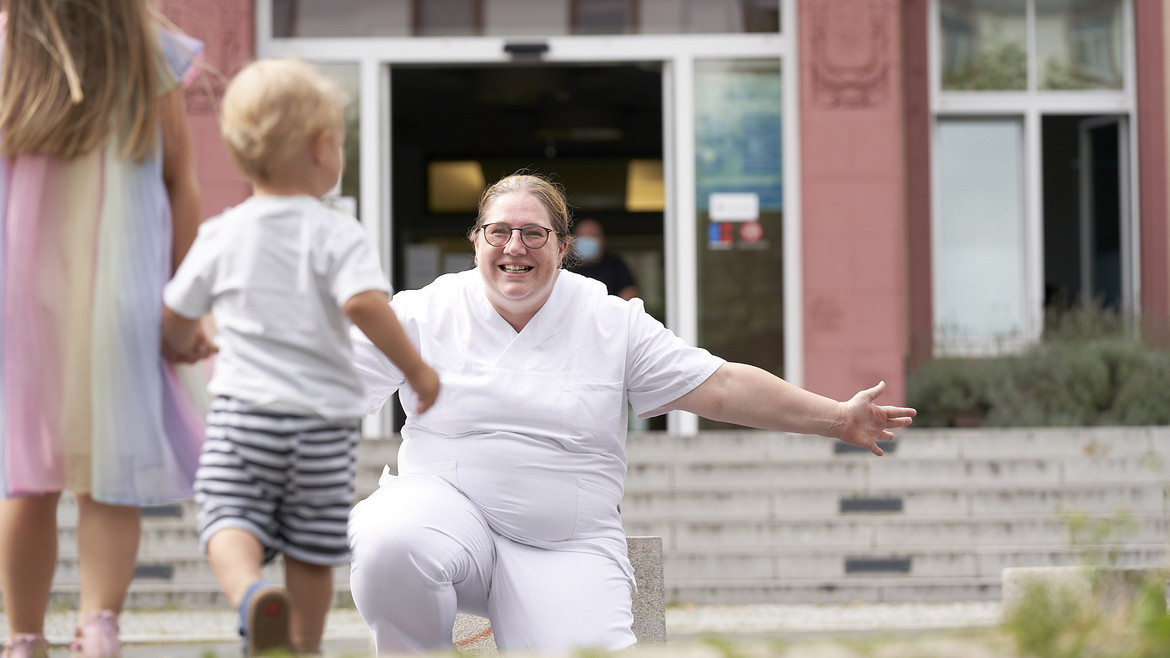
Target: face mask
<point>588,248</point>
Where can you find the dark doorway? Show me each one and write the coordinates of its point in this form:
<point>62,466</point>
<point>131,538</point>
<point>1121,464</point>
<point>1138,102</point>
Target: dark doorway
<point>1084,237</point>
<point>596,129</point>
<point>589,127</point>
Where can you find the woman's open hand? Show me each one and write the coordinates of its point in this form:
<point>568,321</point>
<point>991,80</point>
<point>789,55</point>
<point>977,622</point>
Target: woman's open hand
<point>866,422</point>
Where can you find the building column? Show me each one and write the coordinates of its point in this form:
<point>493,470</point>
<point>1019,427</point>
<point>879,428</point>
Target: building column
<point>1151,29</point>
<point>227,29</point>
<point>853,191</point>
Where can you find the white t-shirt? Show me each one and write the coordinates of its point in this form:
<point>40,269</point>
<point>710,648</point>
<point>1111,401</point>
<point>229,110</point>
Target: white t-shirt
<point>276,272</point>
<point>531,426</point>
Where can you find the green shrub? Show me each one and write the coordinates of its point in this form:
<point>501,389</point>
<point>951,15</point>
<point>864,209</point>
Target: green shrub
<point>1088,370</point>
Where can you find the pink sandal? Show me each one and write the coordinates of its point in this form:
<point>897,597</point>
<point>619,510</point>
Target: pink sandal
<point>26,645</point>
<point>97,636</point>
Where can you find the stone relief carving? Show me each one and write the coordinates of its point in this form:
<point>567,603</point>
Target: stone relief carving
<point>850,63</point>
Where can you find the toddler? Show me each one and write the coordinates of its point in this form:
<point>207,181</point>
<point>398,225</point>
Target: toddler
<point>283,276</point>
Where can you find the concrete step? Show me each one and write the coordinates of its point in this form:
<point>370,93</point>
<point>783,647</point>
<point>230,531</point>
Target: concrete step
<point>912,443</point>
<point>771,517</point>
<point>835,591</point>
<point>878,532</point>
<point>150,595</point>
<point>897,472</point>
<point>935,502</point>
<point>180,570</point>
<point>683,566</point>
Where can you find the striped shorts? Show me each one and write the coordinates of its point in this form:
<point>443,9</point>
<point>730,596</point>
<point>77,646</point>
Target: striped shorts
<point>286,479</point>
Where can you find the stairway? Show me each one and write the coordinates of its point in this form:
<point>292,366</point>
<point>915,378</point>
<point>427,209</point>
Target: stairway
<point>751,517</point>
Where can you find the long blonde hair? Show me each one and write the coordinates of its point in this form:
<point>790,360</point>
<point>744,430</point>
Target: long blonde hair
<point>76,72</point>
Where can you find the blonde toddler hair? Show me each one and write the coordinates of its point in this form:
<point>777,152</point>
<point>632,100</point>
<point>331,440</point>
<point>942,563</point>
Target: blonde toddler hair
<point>271,109</point>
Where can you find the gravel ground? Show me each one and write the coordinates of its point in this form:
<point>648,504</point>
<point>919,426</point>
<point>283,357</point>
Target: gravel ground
<point>203,633</point>
<point>860,617</point>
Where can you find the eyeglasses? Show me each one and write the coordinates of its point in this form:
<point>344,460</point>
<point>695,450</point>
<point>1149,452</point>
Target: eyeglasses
<point>497,234</point>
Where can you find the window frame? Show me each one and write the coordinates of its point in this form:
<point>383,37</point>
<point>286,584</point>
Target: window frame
<point>1031,106</point>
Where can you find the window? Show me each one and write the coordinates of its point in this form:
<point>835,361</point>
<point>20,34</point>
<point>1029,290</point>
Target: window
<point>979,230</point>
<point>404,18</point>
<point>1031,166</point>
<point>985,44</point>
<point>1078,44</point>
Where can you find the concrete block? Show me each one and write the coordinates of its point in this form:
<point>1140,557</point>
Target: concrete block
<point>649,476</point>
<point>831,474</point>
<point>940,502</point>
<point>974,473</point>
<point>1024,530</point>
<point>707,447</point>
<point>914,443</point>
<point>805,503</point>
<point>649,603</point>
<point>957,563</point>
<point>993,561</point>
<point>725,592</point>
<point>1109,588</point>
<point>710,565</point>
<point>1160,440</point>
<point>1127,469</point>
<point>786,447</point>
<point>1099,499</point>
<point>1052,442</point>
<point>798,564</point>
<point>808,533</point>
<point>700,504</point>
<point>937,590</point>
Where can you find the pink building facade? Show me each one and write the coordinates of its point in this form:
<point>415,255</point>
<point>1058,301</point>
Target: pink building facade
<point>911,203</point>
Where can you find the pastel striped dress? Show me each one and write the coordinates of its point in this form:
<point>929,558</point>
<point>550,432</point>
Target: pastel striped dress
<point>87,403</point>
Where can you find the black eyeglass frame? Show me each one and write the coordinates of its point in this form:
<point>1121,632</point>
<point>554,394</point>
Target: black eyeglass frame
<point>522,229</point>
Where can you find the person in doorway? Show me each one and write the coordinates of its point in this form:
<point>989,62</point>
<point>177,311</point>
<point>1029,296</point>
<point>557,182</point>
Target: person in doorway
<point>506,501</point>
<point>283,276</point>
<point>597,263</point>
<point>98,202</point>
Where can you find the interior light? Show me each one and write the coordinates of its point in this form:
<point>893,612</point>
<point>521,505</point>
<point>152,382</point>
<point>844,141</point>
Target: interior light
<point>645,191</point>
<point>454,185</point>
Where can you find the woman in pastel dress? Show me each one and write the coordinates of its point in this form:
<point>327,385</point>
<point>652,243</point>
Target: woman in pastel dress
<point>98,203</point>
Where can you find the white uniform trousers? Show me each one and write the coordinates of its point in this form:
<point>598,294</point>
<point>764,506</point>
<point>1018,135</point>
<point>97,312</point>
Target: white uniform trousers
<point>421,550</point>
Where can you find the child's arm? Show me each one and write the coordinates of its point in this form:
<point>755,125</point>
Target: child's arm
<point>178,164</point>
<point>371,313</point>
<point>184,339</point>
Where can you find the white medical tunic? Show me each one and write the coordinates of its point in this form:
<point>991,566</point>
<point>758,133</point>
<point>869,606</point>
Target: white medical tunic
<point>531,426</point>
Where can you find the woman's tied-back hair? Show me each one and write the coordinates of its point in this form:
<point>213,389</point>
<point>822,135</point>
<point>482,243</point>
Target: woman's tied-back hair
<point>75,72</point>
<point>272,108</point>
<point>549,194</point>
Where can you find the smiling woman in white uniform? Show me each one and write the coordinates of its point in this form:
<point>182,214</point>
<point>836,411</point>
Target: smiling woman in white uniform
<point>506,502</point>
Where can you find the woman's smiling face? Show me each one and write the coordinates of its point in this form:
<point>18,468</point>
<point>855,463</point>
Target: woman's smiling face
<point>518,279</point>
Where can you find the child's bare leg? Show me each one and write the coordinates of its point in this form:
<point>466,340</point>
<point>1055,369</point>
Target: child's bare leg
<point>236,557</point>
<point>310,587</point>
<point>28,556</point>
<point>107,547</point>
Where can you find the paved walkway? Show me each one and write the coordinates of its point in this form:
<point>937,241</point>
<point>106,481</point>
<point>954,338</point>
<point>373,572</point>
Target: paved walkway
<point>209,633</point>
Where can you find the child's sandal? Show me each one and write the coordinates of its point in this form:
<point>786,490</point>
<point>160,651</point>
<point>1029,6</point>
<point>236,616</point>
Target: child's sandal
<point>264,614</point>
<point>26,645</point>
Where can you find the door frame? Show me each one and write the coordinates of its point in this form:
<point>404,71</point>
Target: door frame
<point>1129,275</point>
<point>677,54</point>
